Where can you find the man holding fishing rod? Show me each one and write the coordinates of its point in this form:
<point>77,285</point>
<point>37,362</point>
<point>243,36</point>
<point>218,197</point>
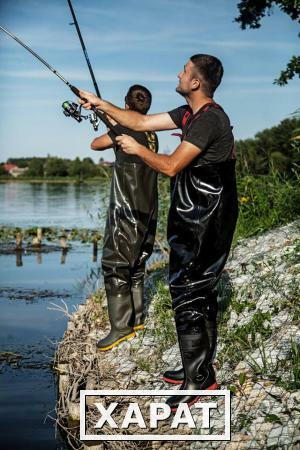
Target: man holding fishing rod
<point>203,210</point>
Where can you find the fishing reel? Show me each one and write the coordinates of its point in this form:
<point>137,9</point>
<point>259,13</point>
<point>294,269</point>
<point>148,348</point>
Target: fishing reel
<point>71,109</point>
<point>94,120</point>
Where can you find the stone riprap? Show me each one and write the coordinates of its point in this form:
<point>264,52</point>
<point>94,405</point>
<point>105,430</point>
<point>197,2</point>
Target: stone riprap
<point>257,358</point>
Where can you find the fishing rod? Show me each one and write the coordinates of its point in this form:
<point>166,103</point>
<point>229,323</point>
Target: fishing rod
<point>93,118</point>
<point>84,49</point>
<point>70,109</point>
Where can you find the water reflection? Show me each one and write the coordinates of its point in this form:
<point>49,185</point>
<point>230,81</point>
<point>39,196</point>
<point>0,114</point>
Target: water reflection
<point>63,255</point>
<point>19,259</point>
<point>54,204</point>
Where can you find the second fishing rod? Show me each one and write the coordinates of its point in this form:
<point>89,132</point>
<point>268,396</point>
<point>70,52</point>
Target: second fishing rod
<point>93,118</point>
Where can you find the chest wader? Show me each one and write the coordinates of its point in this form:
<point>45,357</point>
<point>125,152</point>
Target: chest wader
<point>201,225</point>
<point>128,243</point>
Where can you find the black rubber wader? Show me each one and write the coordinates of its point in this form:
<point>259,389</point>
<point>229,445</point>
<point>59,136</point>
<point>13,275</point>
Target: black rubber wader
<point>128,243</point>
<point>209,313</point>
<point>202,220</point>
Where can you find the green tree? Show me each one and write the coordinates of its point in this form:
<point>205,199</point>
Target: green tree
<point>89,168</point>
<point>251,13</point>
<point>36,167</point>
<point>272,148</point>
<point>20,162</point>
<point>75,168</point>
<point>55,167</point>
<point>2,171</point>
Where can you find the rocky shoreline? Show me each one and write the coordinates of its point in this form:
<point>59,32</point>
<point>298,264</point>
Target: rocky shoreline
<point>258,355</point>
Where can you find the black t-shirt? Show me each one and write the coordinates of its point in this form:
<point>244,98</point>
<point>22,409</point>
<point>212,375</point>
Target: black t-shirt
<point>208,130</point>
<point>146,138</point>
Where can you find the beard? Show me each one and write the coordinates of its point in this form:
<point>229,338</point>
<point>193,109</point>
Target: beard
<point>181,91</point>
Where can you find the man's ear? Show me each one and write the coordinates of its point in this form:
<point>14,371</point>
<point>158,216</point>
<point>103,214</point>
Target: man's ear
<point>126,106</point>
<point>196,84</point>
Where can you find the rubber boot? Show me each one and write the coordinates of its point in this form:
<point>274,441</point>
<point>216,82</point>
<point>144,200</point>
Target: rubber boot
<point>174,376</point>
<point>119,311</point>
<point>137,294</point>
<point>210,322</point>
<point>199,373</point>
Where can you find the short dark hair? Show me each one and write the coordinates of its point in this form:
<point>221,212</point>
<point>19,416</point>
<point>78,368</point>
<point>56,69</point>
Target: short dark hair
<point>210,70</point>
<point>138,98</point>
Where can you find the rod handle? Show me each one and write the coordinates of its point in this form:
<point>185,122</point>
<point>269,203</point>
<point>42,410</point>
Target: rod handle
<point>98,113</point>
<point>75,90</point>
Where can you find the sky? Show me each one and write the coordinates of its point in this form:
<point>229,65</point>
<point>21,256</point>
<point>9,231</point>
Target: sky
<point>128,42</point>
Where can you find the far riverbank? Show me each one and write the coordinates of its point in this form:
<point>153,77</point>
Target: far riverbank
<point>58,180</point>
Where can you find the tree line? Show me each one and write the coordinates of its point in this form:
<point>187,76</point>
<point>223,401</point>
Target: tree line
<point>275,148</point>
<point>53,166</point>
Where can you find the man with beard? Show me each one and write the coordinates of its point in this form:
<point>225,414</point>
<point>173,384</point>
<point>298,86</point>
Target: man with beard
<point>203,210</point>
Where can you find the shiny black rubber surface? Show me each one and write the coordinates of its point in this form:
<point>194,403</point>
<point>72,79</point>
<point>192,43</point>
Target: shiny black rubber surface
<point>129,236</point>
<point>201,225</point>
<point>131,222</point>
<point>198,371</point>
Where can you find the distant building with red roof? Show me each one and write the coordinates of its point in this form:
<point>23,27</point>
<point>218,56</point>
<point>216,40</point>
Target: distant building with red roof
<point>14,170</point>
<point>8,167</point>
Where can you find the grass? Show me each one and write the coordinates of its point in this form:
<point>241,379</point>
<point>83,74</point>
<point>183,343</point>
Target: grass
<point>239,340</point>
<point>144,363</point>
<point>240,306</point>
<point>295,365</point>
<point>266,202</point>
<point>284,373</point>
<point>162,323</point>
<point>100,312</point>
<point>291,381</point>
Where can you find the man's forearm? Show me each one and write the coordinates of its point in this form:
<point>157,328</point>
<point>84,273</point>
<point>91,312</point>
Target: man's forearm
<point>160,163</point>
<point>129,119</point>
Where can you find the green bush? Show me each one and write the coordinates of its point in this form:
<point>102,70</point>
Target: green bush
<point>265,202</point>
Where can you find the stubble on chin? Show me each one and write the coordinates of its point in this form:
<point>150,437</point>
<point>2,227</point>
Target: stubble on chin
<point>180,91</point>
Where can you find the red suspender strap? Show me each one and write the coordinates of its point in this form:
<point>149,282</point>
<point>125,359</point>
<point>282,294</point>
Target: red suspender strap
<point>183,122</point>
<point>204,108</point>
<point>185,117</point>
<point>188,113</point>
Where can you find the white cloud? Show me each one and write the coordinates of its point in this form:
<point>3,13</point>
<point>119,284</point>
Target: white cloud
<point>103,75</point>
<point>112,76</point>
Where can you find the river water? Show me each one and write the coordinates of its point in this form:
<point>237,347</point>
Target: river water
<point>54,204</point>
<point>31,292</point>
